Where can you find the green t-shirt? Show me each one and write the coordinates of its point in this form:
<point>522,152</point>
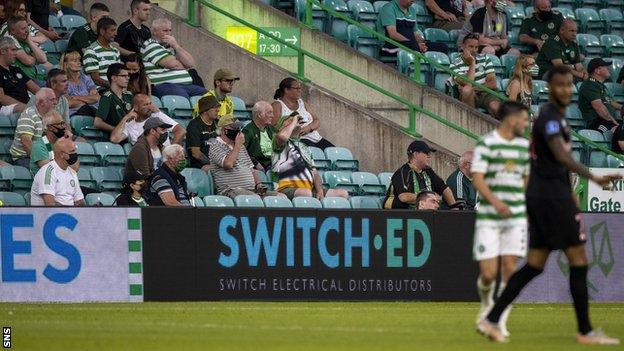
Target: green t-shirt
<point>554,48</point>
<point>462,188</point>
<point>200,134</point>
<point>41,150</point>
<point>537,29</point>
<point>81,38</point>
<point>589,91</point>
<point>266,144</point>
<point>31,71</point>
<point>391,14</point>
<point>112,108</point>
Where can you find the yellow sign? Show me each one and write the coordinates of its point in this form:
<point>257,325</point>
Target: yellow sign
<point>244,37</point>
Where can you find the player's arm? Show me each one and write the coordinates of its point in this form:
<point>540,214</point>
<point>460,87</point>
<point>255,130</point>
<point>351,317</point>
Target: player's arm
<point>478,181</point>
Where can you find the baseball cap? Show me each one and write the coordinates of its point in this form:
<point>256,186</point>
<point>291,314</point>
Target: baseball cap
<point>206,103</point>
<point>596,63</point>
<point>224,73</point>
<point>230,121</point>
<point>133,176</point>
<point>419,146</point>
<point>154,122</point>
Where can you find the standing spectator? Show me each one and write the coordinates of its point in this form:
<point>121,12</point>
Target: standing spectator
<point>460,181</point>
<point>132,190</point>
<point>30,127</point>
<point>202,132</point>
<point>520,86</point>
<point>259,135</point>
<point>56,184</point>
<point>415,176</point>
<point>544,24</point>
<point>101,54</point>
<point>478,68</point>
<point>599,109</point>
<point>490,23</point>
<point>428,200</point>
<point>57,81</point>
<point>146,155</point>
<point>14,84</point>
<point>17,8</point>
<point>86,35</point>
<point>397,20</point>
<point>54,128</point>
<point>223,83</point>
<point>617,141</point>
<point>82,92</point>
<point>116,102</point>
<point>132,33</point>
<point>38,12</point>
<point>139,83</point>
<point>28,52</point>
<point>288,100</point>
<point>562,49</point>
<point>293,163</point>
<point>168,186</point>
<point>448,14</point>
<point>168,64</point>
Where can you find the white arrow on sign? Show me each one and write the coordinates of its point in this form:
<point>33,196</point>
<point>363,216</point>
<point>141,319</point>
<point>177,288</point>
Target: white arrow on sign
<point>292,40</point>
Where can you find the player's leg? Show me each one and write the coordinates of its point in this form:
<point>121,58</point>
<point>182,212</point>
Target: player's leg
<point>486,252</point>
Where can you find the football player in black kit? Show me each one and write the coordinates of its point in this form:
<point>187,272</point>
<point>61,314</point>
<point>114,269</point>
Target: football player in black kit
<point>554,218</point>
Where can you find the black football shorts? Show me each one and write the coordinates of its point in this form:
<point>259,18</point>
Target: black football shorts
<point>554,224</point>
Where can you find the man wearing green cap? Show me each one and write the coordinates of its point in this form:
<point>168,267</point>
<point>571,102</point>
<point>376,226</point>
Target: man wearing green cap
<point>223,83</point>
<point>202,131</point>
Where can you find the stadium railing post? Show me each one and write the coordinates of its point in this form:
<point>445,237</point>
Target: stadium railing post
<point>191,16</point>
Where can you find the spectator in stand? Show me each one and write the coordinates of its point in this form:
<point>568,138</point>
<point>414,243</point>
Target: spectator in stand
<point>617,141</point>
<point>415,176</point>
<point>478,68</point>
<point>600,111</point>
<point>28,52</point>
<point>544,24</point>
<point>86,35</point>
<point>146,155</point>
<point>57,81</point>
<point>14,84</point>
<point>101,54</point>
<point>116,102</point>
<point>130,127</point>
<point>17,8</point>
<point>397,20</point>
<point>232,167</point>
<point>202,132</point>
<point>259,135</point>
<point>562,49</point>
<point>520,86</point>
<point>30,127</point>
<point>223,83</point>
<point>460,181</point>
<point>288,100</point>
<point>448,14</point>
<point>139,83</point>
<point>54,128</point>
<point>428,200</point>
<point>168,186</point>
<point>490,23</point>
<point>168,64</point>
<point>56,184</point>
<point>620,78</point>
<point>132,189</point>
<point>132,33</point>
<point>38,12</point>
<point>293,163</point>
<point>82,93</point>
<point>3,15</point>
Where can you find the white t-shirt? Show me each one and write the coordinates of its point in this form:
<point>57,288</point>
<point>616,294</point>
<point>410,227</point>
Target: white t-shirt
<point>53,180</point>
<point>157,155</point>
<point>133,129</point>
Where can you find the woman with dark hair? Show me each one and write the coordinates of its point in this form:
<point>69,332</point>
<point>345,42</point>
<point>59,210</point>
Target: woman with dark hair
<point>15,8</point>
<point>139,82</point>
<point>131,192</point>
<point>288,100</point>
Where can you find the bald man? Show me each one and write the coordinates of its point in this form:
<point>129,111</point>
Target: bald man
<point>562,49</point>
<point>460,181</point>
<point>258,136</point>
<point>56,183</point>
<point>544,24</point>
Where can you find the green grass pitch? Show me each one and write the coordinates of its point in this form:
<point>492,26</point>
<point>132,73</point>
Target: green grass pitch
<point>291,326</point>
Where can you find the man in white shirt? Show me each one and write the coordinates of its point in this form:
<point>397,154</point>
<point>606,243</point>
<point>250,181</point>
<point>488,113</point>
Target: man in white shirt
<point>56,184</point>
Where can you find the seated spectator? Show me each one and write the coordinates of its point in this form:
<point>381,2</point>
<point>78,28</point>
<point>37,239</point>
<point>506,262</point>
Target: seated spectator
<point>168,64</point>
<point>478,68</point>
<point>130,127</point>
<point>30,127</point>
<point>232,168</point>
<point>132,190</point>
<point>139,82</point>
<point>86,35</point>
<point>54,128</point>
<point>617,141</point>
<point>56,184</point>
<point>448,14</point>
<point>202,132</point>
<point>132,33</point>
<point>293,164</point>
<point>397,20</point>
<point>544,24</point>
<point>82,93</point>
<point>14,84</point>
<point>600,111</point>
<point>460,181</point>
<point>520,86</point>
<point>288,100</point>
<point>101,54</point>
<point>17,8</point>
<point>490,23</point>
<point>223,83</point>
<point>146,155</point>
<point>28,55</point>
<point>428,200</point>
<point>562,49</point>
<point>57,81</point>
<point>413,177</point>
<point>168,186</point>
<point>116,102</point>
<point>259,135</point>
<point>38,13</point>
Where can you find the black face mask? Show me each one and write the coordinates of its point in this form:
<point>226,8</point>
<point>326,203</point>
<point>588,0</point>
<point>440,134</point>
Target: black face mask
<point>545,15</point>
<point>73,158</point>
<point>59,133</point>
<point>231,133</point>
<point>163,137</point>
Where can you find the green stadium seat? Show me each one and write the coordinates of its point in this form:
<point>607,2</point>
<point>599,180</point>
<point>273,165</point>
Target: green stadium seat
<point>277,202</point>
<point>404,63</point>
<point>61,45</point>
<point>574,112</point>
<point>198,181</point>
<point>617,90</point>
<point>590,45</point>
<point>423,18</point>
<point>5,155</point>
<point>319,17</point>
<point>320,160</point>
<point>127,148</point>
<point>195,99</point>
<point>614,21</point>
<point>515,15</point>
<point>178,106</point>
<point>596,137</point>
<point>590,21</point>
<point>83,126</point>
<point>439,58</point>
<point>614,162</point>
<point>198,201</point>
<point>597,159</point>
<point>528,11</point>
<point>99,199</point>
<point>336,203</point>
<point>368,183</point>
<point>340,180</point>
<point>615,68</point>
<point>338,27</point>
<point>52,53</point>
<point>159,104</point>
<point>264,179</point>
<point>453,36</point>
<point>240,110</point>
<point>341,158</point>
<point>362,41</point>
<point>19,178</point>
<point>439,35</point>
<point>608,135</point>
<point>377,5</point>
<point>306,202</point>
<point>55,23</point>
<point>71,22</point>
<point>613,44</point>
<point>508,62</point>
<point>109,153</point>
<point>84,177</point>
<point>499,68</point>
<point>27,198</point>
<point>365,202</point>
<point>540,91</point>
<point>577,155</point>
<point>440,82</point>
<point>385,178</point>
<point>566,12</point>
<point>218,201</point>
<point>248,201</point>
<point>107,178</point>
<point>10,199</point>
<point>7,129</point>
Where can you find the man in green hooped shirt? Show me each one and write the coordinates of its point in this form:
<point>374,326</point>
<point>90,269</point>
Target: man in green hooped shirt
<point>562,49</point>
<point>54,128</point>
<point>87,34</point>
<point>460,181</point>
<point>596,103</point>
<point>544,24</point>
